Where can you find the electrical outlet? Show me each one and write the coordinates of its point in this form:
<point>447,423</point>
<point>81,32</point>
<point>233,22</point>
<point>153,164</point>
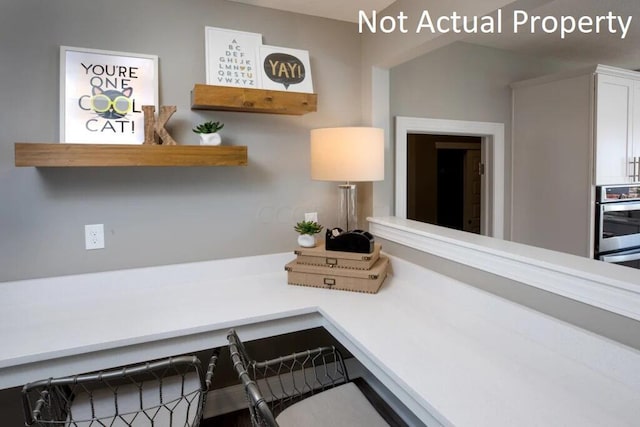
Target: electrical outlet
<point>311,216</point>
<point>94,236</point>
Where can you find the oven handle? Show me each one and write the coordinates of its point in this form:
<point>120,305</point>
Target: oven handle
<point>620,206</point>
<point>621,257</point>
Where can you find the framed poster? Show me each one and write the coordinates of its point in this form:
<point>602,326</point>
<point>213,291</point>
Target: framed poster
<point>232,57</point>
<point>285,69</point>
<point>102,93</point>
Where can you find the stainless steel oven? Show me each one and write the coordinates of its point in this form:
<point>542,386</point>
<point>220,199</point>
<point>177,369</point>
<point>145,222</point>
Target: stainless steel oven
<point>617,231</point>
<point>629,258</point>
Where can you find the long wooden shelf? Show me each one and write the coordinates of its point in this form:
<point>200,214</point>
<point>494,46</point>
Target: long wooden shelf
<point>225,98</point>
<point>107,155</point>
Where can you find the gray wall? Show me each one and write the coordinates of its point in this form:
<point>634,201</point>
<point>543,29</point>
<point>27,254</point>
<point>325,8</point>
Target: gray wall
<point>156,216</point>
<point>463,81</point>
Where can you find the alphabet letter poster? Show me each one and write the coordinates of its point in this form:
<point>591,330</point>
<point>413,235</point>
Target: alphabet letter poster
<point>102,94</point>
<point>232,57</point>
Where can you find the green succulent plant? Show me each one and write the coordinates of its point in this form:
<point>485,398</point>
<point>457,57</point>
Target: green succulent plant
<point>208,127</point>
<point>308,227</point>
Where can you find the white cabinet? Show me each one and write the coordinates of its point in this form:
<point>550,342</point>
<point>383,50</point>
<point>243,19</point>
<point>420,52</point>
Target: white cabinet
<point>635,147</point>
<point>616,109</point>
<point>571,131</point>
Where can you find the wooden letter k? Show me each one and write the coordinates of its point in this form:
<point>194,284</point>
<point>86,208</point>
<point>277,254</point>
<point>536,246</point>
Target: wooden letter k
<point>154,130</point>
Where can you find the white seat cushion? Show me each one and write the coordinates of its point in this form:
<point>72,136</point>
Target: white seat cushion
<point>342,406</point>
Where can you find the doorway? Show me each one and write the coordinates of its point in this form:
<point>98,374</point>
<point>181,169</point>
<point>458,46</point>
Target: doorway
<point>444,183</point>
<point>493,150</point>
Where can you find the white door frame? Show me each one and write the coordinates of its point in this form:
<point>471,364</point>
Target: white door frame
<point>493,156</point>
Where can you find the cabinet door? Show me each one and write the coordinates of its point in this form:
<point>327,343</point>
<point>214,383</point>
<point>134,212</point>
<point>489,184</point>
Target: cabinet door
<point>635,147</point>
<point>613,129</point>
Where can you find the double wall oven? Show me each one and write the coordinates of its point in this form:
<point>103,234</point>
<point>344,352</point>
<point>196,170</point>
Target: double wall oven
<point>618,224</point>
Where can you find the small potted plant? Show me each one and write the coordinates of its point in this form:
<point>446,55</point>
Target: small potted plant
<point>209,133</point>
<point>307,231</point>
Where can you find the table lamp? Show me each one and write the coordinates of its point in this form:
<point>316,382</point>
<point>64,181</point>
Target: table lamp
<point>347,154</point>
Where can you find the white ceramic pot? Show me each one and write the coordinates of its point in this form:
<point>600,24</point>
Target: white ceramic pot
<point>307,240</point>
<point>210,139</point>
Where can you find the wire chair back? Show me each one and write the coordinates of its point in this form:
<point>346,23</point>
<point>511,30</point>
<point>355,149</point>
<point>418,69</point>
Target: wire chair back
<point>273,385</point>
<point>165,393</point>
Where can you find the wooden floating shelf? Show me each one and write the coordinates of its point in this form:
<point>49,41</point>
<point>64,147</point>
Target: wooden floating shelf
<point>225,98</point>
<point>107,155</point>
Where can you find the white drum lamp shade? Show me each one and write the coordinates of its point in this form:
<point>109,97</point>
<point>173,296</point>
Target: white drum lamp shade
<point>348,154</point>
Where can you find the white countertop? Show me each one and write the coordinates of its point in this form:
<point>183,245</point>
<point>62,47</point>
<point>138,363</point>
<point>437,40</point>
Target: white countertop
<point>466,357</point>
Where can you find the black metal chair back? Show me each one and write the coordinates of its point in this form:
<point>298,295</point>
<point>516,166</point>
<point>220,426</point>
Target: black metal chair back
<point>164,393</point>
<point>274,385</point>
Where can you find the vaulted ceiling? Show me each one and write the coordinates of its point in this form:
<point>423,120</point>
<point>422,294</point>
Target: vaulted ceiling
<point>603,48</point>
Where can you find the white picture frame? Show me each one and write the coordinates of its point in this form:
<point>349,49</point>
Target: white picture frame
<point>231,58</point>
<point>285,69</point>
<point>102,93</point>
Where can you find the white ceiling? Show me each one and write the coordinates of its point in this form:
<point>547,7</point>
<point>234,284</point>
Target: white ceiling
<point>585,49</point>
<point>342,10</point>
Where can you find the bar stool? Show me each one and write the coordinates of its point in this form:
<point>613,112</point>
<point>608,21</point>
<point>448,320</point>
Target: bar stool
<point>165,393</point>
<point>309,388</point>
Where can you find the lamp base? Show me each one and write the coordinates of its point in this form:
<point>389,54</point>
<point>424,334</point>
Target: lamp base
<point>348,213</point>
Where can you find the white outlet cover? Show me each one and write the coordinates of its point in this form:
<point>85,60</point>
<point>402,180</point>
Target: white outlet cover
<point>94,236</point>
<point>311,216</point>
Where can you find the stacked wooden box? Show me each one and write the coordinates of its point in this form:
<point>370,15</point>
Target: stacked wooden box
<point>347,271</point>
